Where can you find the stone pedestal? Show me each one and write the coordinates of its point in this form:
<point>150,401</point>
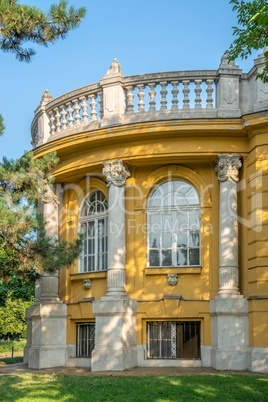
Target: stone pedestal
<point>48,335</point>
<point>229,333</point>
<point>47,319</point>
<point>115,336</point>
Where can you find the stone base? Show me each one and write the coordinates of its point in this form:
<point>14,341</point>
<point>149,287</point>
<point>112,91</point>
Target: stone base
<point>258,360</point>
<point>115,336</point>
<point>48,343</point>
<point>229,359</point>
<point>41,357</point>
<point>229,318</point>
<point>113,360</point>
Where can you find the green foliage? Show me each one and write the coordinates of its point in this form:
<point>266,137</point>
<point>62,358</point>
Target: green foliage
<point>252,32</point>
<point>20,23</point>
<point>6,346</point>
<point>2,126</point>
<point>12,318</point>
<point>25,247</point>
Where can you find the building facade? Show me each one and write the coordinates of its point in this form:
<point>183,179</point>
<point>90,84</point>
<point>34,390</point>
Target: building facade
<point>166,176</point>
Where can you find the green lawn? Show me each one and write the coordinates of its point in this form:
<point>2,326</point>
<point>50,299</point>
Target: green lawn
<point>216,387</point>
<point>10,360</point>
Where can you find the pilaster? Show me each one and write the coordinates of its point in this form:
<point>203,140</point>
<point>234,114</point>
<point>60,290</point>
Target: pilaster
<point>229,309</point>
<point>115,336</point>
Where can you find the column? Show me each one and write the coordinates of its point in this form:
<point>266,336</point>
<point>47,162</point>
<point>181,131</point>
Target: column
<point>115,333</point>
<point>229,309</point>
<point>47,318</point>
<point>228,175</point>
<point>116,174</point>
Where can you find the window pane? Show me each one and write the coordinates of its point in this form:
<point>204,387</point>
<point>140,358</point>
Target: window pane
<point>166,258</point>
<point>154,240</point>
<point>166,240</point>
<point>182,256</point>
<point>194,256</point>
<point>154,258</point>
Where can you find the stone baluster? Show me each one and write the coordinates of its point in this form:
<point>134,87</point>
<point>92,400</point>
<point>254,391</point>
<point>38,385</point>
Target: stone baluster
<point>84,107</point>
<point>141,95</point>
<point>70,111</point>
<point>76,109</point>
<point>198,91</point>
<point>57,117</point>
<point>63,117</point>
<point>209,92</point>
<point>116,174</point>
<point>163,93</point>
<point>52,125</point>
<point>152,94</point>
<point>100,96</point>
<point>228,175</point>
<point>93,106</point>
<point>186,91</point>
<point>174,92</point>
<point>130,97</point>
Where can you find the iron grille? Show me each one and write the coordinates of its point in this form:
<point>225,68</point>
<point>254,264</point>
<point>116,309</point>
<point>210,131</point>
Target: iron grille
<point>173,340</point>
<point>85,339</point>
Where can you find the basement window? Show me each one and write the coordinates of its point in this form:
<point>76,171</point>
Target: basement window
<point>173,340</point>
<point>85,339</point>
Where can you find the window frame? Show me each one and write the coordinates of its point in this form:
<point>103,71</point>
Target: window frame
<point>89,340</point>
<point>176,212</point>
<point>184,335</point>
<point>91,247</point>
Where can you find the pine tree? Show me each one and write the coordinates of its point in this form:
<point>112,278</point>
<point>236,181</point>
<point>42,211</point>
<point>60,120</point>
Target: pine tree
<point>21,24</point>
<point>25,248</point>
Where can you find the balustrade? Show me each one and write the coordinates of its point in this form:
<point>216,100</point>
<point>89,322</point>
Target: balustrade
<point>158,96</point>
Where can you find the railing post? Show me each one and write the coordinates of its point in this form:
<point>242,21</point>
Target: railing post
<point>114,100</point>
<point>260,88</point>
<point>228,88</point>
<point>41,125</point>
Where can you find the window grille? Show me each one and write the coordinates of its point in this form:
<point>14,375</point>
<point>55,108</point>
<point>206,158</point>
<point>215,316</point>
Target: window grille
<point>173,340</point>
<point>93,224</point>
<point>85,339</point>
<point>173,213</point>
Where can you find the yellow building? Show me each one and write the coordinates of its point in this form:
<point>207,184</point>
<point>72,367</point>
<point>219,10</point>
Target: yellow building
<point>167,177</point>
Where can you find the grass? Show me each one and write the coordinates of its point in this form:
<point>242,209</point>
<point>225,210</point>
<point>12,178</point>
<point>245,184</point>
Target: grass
<point>10,360</point>
<point>219,387</point>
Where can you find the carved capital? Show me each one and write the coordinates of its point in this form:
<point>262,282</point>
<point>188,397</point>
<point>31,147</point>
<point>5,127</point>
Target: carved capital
<point>49,195</point>
<point>228,167</point>
<point>116,172</point>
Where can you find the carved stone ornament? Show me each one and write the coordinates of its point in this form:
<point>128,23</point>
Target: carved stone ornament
<point>46,97</point>
<point>87,283</point>
<point>116,172</point>
<point>225,62</point>
<point>49,195</point>
<point>115,68</point>
<point>228,167</point>
<point>172,279</point>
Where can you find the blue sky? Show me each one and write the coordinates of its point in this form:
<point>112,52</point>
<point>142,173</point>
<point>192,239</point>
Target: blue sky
<point>144,35</point>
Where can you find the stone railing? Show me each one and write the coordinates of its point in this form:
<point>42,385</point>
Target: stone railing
<point>222,93</point>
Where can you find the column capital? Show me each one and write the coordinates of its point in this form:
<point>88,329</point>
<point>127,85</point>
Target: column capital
<point>116,172</point>
<point>228,167</point>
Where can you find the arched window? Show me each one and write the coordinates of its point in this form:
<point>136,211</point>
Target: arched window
<point>173,217</point>
<point>93,224</point>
